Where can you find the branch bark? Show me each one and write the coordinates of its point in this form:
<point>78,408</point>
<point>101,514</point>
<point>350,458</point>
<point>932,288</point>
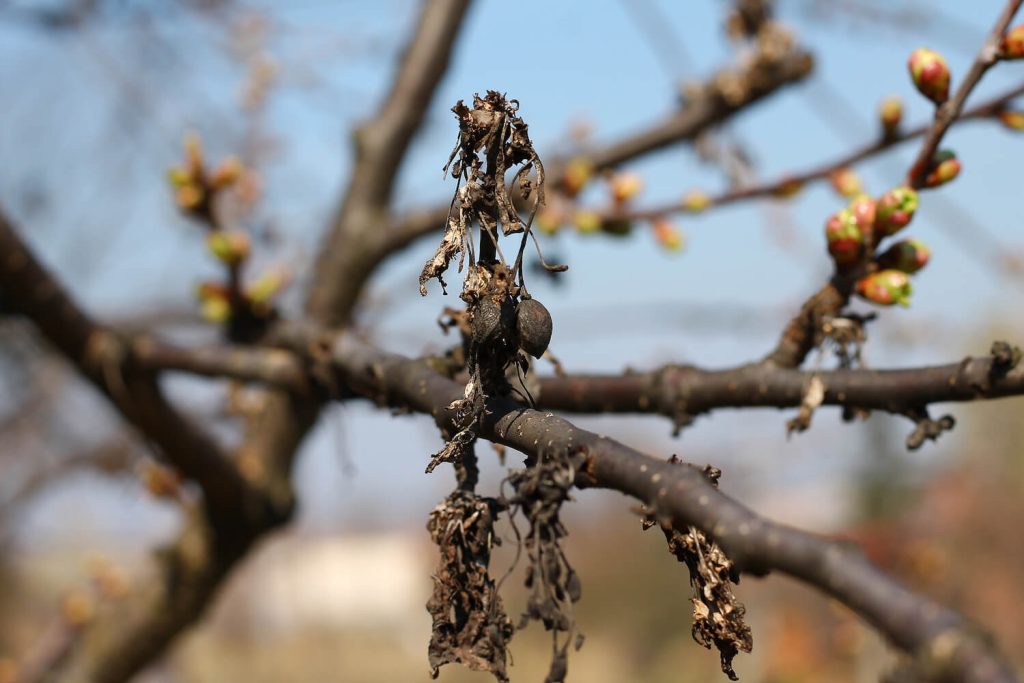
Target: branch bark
<point>681,494</point>
<point>347,255</point>
<point>946,114</point>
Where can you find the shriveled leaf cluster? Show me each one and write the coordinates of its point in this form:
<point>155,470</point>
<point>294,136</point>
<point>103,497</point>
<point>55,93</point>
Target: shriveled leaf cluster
<point>540,490</point>
<point>470,625</point>
<point>718,617</point>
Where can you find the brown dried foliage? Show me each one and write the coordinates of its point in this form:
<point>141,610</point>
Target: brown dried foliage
<point>469,622</point>
<point>718,617</point>
<point>540,491</point>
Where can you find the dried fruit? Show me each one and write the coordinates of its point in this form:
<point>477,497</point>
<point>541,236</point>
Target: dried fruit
<point>845,237</point>
<point>886,287</point>
<point>945,167</point>
<point>930,74</point>
<point>533,326</point>
<point>894,210</point>
<point>1012,46</point>
<point>908,256</point>
<point>486,321</point>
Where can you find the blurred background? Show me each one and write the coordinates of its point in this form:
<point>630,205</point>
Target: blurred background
<point>97,96</point>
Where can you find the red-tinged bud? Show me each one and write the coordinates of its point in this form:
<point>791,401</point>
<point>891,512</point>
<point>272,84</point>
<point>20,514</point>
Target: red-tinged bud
<point>577,174</point>
<point>894,210</point>
<point>845,238</point>
<point>846,182</point>
<point>624,186</point>
<point>930,74</point>
<point>890,113</point>
<point>231,247</point>
<point>864,209</point>
<point>908,256</point>
<point>945,167</point>
<point>696,201</point>
<point>668,235</point>
<point>886,287</point>
<point>1014,120</point>
<point>1013,43</point>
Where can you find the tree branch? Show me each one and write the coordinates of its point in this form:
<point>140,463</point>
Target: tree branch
<point>696,116</point>
<point>782,185</point>
<point>946,114</point>
<point>345,263</point>
<point>686,391</point>
<point>104,359</point>
<point>684,496</point>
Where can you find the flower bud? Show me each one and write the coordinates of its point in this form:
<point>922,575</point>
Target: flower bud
<point>189,196</point>
<point>864,209</point>
<point>894,210</point>
<point>549,220</point>
<point>78,608</point>
<point>845,182</point>
<point>668,235</point>
<point>945,167</point>
<point>890,113</point>
<point>227,174</point>
<point>194,155</point>
<point>1014,120</point>
<point>908,256</point>
<point>885,288</point>
<point>231,247</point>
<point>179,177</point>
<point>577,175</point>
<point>845,237</point>
<point>624,186</point>
<point>1012,46</point>
<point>213,302</point>
<point>696,201</point>
<point>587,221</point>
<point>930,74</point>
<point>264,288</point>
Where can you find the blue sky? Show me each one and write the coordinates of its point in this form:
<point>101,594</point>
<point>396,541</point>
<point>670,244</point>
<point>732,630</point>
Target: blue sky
<point>86,134</point>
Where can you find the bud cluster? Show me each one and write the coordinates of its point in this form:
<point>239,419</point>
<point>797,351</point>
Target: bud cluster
<point>852,233</point>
